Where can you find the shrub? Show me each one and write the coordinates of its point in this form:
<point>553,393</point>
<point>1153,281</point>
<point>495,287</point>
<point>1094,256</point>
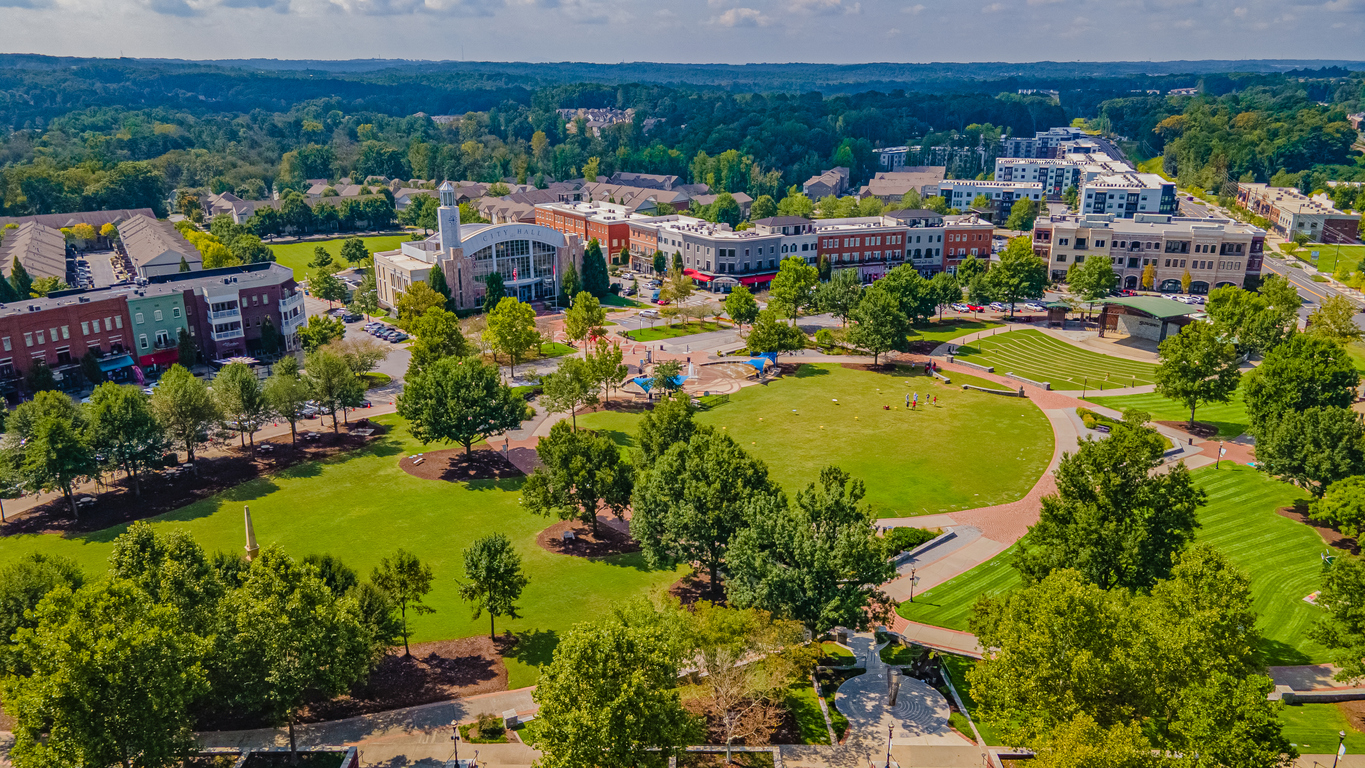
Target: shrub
<point>489,726</point>
<point>898,540</point>
<point>824,337</point>
<point>1089,420</point>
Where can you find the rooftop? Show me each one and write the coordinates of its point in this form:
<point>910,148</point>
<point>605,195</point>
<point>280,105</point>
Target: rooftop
<point>1156,306</point>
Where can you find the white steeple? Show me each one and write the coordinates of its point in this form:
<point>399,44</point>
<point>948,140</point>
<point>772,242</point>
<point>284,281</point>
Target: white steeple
<point>448,220</point>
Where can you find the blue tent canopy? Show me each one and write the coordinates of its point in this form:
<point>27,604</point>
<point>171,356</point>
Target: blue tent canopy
<point>644,382</point>
<point>114,363</point>
<point>758,362</point>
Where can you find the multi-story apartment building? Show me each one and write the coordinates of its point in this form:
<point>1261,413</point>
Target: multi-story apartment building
<point>963,237</point>
<point>1216,252</point>
<point>1042,144</point>
<point>1291,212</point>
<point>892,158</point>
<point>1055,174</point>
<point>959,193</point>
<point>609,223</point>
<point>225,310</point>
<point>874,245</point>
<point>1128,194</point>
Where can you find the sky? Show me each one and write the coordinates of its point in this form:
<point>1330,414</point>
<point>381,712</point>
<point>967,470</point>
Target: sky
<point>691,31</point>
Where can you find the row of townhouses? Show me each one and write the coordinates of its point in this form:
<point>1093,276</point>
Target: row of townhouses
<point>1216,252</point>
<point>225,311</point>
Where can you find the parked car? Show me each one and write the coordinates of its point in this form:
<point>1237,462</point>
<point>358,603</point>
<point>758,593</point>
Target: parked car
<point>398,338</point>
<point>662,302</point>
<point>1034,306</point>
<point>959,307</point>
<point>350,317</point>
<point>652,314</point>
<point>975,308</point>
<point>998,307</point>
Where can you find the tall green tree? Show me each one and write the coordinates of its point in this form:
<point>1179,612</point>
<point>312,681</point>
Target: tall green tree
<point>1113,520</point>
<point>690,501</point>
<point>290,640</point>
<point>669,423</point>
<point>570,285</point>
<point>793,288</point>
<point>1197,366</point>
<point>353,250</point>
<point>328,287</point>
<point>817,560</point>
<point>494,291</point>
<point>572,385</point>
<point>1342,629</point>
<point>287,393</point>
<point>840,296</point>
<point>946,291</point>
<point>406,580</point>
<point>585,318</point>
<point>459,401</point>
<point>879,326</point>
<point>494,578</point>
<point>106,643</point>
<point>321,330</point>
<point>1335,320</point>
<point>20,280</point>
<point>57,457</point>
<point>916,296</point>
<point>1092,280</point>
<point>1249,320</point>
<point>1019,275</point>
<point>436,278</point>
<point>332,384</point>
<point>437,335</point>
<point>595,278</point>
<point>581,474</point>
<point>124,430</point>
<point>762,208</point>
<point>1022,215</point>
<point>512,330</point>
<point>609,699</point>
<point>187,352</point>
<point>1306,371</point>
<point>1314,448</point>
<point>769,334</point>
<point>24,583</point>
<point>174,571</point>
<point>240,398</point>
<point>606,368</point>
<point>1343,505</point>
<point>741,306</point>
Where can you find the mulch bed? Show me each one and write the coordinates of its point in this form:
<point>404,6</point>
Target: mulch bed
<point>1201,429</point>
<point>607,540</point>
<point>923,347</point>
<point>1354,711</point>
<point>694,587</point>
<point>452,466</point>
<point>437,671</point>
<point>118,504</point>
<point>1331,536</point>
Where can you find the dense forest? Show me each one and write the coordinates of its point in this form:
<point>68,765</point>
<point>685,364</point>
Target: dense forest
<point>88,134</point>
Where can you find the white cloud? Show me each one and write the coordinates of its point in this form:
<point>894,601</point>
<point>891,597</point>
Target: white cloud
<point>913,10</point>
<point>824,7</point>
<point>993,8</point>
<point>741,17</point>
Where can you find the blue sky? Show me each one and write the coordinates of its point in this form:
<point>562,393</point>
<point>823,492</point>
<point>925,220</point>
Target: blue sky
<point>722,31</point>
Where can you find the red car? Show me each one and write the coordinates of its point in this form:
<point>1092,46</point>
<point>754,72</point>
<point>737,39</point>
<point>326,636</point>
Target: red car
<point>975,308</point>
<point>662,302</point>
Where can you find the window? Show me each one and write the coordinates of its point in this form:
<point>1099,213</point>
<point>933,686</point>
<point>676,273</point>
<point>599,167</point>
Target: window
<point>53,331</point>
<point>40,338</point>
<point>1061,257</point>
<point>156,315</point>
<point>28,339</point>
<point>163,339</point>
<point>66,331</point>
<point>7,344</point>
<point>175,312</point>
<point>118,321</point>
<point>85,328</point>
<point>137,318</point>
<point>108,323</point>
<point>142,341</point>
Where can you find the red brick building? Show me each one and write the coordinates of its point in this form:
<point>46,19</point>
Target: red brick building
<point>608,223</point>
<point>59,331</point>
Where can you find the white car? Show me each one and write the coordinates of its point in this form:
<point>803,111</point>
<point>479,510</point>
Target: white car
<point>998,307</point>
<point>651,314</point>
<point>959,307</point>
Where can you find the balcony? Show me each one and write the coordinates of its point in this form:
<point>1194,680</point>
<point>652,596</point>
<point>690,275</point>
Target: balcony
<point>228,335</point>
<point>294,322</point>
<point>227,314</point>
<point>286,304</point>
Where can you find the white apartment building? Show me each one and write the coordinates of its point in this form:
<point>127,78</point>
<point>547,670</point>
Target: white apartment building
<point>959,193</point>
<point>1128,194</point>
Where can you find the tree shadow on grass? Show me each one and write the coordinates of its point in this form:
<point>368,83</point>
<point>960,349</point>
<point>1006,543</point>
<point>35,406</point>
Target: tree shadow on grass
<point>508,484</point>
<point>632,560</point>
<point>1277,654</point>
<point>534,647</point>
<point>808,371</point>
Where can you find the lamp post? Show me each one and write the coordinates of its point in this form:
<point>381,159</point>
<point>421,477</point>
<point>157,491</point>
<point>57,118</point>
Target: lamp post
<point>1341,747</point>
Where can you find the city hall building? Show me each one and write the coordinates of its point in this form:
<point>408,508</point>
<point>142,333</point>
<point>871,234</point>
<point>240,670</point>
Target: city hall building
<point>529,257</point>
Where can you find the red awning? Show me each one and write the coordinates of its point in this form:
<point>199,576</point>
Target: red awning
<point>161,357</point>
<point>698,276</point>
<point>752,279</point>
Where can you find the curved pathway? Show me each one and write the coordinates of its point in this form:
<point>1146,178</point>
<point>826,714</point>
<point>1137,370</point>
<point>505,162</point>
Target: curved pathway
<point>919,717</point>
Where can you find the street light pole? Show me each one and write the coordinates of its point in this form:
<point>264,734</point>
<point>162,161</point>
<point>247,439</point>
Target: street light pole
<point>1341,747</point>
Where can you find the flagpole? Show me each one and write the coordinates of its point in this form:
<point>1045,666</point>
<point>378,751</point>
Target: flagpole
<point>1219,457</point>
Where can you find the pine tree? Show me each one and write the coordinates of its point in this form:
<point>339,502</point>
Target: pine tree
<point>184,265</point>
<point>570,283</point>
<point>496,290</point>
<point>437,281</point>
<point>595,279</point>
<point>7,292</point>
<point>19,278</point>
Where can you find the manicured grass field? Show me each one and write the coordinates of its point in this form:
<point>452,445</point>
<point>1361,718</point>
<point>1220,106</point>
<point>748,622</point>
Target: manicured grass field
<point>1357,352</point>
<point>297,255</point>
<point>673,331</point>
<point>1230,417</point>
<point>1313,729</point>
<point>362,507</point>
<point>1037,356</point>
<point>912,462</point>
<point>957,670</point>
<point>1328,259</point>
<point>1280,556</point>
<point>950,329</point>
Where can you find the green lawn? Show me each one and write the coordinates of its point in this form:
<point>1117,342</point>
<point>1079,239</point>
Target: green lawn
<point>1313,729</point>
<point>1327,261</point>
<point>912,462</point>
<point>1037,356</point>
<point>673,331</point>
<point>363,507</point>
<point>950,329</point>
<point>1279,555</point>
<point>835,655</point>
<point>1357,352</point>
<point>1230,417</point>
<point>297,255</point>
